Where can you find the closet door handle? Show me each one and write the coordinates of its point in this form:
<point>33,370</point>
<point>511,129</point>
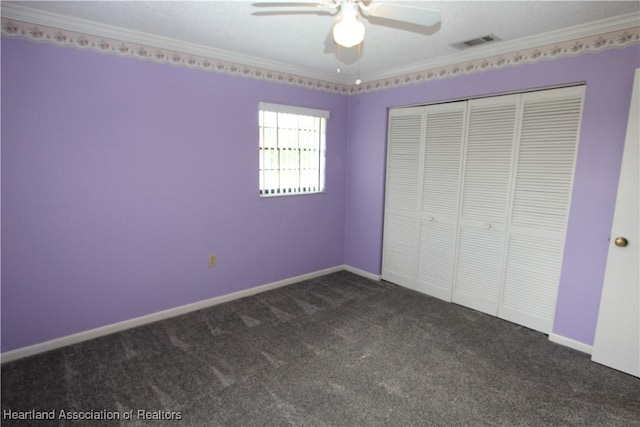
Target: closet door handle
<point>487,226</point>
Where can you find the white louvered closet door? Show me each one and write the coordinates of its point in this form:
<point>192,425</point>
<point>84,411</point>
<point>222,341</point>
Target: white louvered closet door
<point>438,218</point>
<point>404,149</point>
<point>485,200</point>
<point>477,201</point>
<point>542,188</point>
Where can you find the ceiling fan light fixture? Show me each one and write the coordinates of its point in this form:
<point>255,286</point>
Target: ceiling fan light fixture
<point>348,32</point>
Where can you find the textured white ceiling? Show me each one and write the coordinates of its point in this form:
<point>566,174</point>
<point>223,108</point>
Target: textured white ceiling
<point>304,40</point>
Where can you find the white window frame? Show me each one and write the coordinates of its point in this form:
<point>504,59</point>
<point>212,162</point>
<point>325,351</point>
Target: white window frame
<point>296,170</point>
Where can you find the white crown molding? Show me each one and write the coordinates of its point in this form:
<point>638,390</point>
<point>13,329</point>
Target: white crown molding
<point>24,22</point>
<point>597,43</point>
<point>80,27</point>
<point>596,28</point>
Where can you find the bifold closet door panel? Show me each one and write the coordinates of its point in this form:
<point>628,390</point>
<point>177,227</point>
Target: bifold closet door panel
<point>399,263</point>
<point>484,202</point>
<point>442,157</point>
<point>404,149</point>
<point>545,162</point>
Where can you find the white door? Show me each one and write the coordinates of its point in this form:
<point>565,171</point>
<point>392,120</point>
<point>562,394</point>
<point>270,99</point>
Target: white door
<point>404,148</point>
<point>443,146</point>
<point>543,181</point>
<point>485,199</point>
<point>617,341</point>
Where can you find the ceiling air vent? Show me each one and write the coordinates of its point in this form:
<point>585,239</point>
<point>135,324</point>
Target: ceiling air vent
<point>476,42</point>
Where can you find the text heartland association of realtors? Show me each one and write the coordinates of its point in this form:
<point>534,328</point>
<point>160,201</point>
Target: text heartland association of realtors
<point>140,414</point>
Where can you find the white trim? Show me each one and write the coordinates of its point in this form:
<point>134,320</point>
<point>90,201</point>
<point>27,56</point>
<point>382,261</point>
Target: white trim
<point>31,350</point>
<point>292,109</point>
<point>83,26</point>
<point>589,29</point>
<point>568,342</point>
<point>10,356</point>
<point>39,26</point>
<point>612,40</point>
<point>362,273</point>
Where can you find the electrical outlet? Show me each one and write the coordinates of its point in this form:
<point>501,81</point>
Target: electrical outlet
<point>212,260</point>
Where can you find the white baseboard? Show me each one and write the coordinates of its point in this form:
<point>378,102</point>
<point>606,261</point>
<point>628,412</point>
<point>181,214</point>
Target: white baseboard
<point>362,273</point>
<point>568,342</point>
<point>31,350</point>
<point>20,353</point>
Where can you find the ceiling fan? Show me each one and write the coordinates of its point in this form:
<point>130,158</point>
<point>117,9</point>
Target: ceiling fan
<point>348,31</point>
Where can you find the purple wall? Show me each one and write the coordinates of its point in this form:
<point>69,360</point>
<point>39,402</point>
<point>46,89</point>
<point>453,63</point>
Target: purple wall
<point>120,176</point>
<point>609,79</point>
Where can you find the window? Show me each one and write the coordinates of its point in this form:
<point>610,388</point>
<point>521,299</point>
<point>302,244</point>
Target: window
<point>292,147</point>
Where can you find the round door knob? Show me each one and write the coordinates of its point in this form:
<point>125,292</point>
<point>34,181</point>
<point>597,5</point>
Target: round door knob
<point>487,226</point>
<point>621,242</point>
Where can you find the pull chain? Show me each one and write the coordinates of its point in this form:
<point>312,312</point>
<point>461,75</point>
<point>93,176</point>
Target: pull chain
<point>358,81</point>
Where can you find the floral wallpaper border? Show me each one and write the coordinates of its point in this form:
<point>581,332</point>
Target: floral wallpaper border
<point>38,33</point>
<point>615,39</point>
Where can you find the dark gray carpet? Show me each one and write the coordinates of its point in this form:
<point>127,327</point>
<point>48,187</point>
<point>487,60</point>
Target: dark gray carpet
<point>337,350</point>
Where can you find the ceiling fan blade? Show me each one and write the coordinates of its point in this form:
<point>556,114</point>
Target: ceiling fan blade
<point>403,13</point>
<point>294,12</point>
<point>299,7</point>
<point>310,3</point>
